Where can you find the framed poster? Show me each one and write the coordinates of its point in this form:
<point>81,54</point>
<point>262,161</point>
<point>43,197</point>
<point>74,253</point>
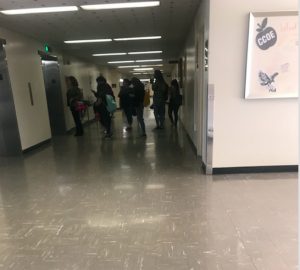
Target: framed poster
<point>272,57</point>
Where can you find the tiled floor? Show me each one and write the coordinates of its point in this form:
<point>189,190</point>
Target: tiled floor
<point>131,203</point>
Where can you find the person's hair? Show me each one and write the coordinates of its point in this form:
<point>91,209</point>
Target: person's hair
<point>175,84</point>
<point>158,75</point>
<point>73,81</point>
<point>135,81</point>
<point>101,79</point>
<point>126,81</point>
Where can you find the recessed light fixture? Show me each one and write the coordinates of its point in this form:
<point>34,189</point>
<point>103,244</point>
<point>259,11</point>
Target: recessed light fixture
<point>142,69</point>
<point>121,5</point>
<point>108,54</point>
<point>137,38</point>
<point>120,62</point>
<point>39,10</point>
<point>87,41</point>
<point>149,60</point>
<point>147,52</point>
<point>128,66</point>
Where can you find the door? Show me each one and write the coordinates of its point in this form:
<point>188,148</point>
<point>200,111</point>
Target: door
<point>54,97</point>
<point>10,143</point>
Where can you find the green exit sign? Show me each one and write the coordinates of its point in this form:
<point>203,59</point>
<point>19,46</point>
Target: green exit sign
<point>47,48</point>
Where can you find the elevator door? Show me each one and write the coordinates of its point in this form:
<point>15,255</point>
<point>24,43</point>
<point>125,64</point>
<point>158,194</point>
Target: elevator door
<point>9,133</point>
<point>54,97</point>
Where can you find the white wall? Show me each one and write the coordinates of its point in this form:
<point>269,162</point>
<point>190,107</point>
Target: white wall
<point>246,132</point>
<point>24,65</point>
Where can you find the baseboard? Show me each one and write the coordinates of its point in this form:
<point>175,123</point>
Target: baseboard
<point>36,146</point>
<point>256,169</point>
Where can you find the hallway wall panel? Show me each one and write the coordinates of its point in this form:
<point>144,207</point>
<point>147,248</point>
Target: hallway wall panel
<point>24,65</point>
<point>246,132</point>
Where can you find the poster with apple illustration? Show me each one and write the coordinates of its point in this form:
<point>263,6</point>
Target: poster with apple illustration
<point>272,57</point>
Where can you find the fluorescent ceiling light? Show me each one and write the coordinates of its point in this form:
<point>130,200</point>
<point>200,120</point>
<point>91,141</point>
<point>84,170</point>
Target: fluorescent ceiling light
<point>142,69</point>
<point>136,73</point>
<point>121,5</point>
<point>39,10</point>
<point>120,62</point>
<point>137,38</point>
<point>87,41</point>
<point>160,65</point>
<point>108,54</point>
<point>128,66</point>
<point>147,52</point>
<point>149,60</point>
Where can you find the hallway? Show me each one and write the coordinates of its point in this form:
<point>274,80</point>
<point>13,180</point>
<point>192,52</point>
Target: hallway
<point>134,203</point>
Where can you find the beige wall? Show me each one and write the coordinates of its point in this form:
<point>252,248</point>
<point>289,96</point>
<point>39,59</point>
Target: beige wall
<point>246,132</point>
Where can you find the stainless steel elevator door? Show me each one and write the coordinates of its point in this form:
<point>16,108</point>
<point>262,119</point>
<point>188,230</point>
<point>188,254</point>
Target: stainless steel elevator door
<point>54,97</point>
<point>9,132</point>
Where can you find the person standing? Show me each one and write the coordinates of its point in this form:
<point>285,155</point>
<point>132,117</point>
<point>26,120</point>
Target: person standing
<point>103,89</point>
<point>160,90</point>
<point>174,102</point>
<point>126,102</point>
<point>74,94</point>
<point>139,94</point>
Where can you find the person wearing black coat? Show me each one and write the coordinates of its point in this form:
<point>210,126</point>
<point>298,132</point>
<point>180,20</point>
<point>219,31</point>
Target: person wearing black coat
<point>126,102</point>
<point>174,102</point>
<point>139,94</point>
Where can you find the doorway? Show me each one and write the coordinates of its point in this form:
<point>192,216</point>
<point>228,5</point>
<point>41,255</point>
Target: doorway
<point>54,97</point>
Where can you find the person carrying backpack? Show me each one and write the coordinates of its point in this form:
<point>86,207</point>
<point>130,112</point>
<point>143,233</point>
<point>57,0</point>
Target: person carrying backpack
<point>104,95</point>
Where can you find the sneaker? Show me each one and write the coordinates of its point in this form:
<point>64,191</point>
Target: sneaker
<point>128,128</point>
